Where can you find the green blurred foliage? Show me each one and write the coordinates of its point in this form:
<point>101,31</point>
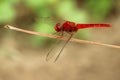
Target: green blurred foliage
<point>42,27</point>
<point>99,8</point>
<point>118,7</point>
<point>58,10</point>
<point>65,10</point>
<point>7,11</point>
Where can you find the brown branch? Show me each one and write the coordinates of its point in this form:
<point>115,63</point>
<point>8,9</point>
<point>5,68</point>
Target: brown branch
<point>63,38</point>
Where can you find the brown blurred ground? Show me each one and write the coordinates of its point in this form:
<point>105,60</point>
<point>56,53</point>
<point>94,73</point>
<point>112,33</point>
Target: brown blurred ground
<point>77,62</point>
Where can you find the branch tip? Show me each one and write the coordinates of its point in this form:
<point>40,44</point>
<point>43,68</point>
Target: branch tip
<point>7,27</point>
<point>63,38</point>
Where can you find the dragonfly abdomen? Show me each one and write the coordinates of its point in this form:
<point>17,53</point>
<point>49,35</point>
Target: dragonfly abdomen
<point>80,26</point>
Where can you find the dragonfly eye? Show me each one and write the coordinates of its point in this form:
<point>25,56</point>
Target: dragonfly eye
<point>57,27</point>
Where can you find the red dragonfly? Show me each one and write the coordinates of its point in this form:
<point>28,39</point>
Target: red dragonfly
<point>71,28</point>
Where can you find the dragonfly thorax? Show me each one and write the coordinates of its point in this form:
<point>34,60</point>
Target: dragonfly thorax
<point>67,27</point>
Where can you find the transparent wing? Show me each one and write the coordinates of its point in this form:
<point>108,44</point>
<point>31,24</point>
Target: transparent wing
<point>50,53</point>
<point>63,48</point>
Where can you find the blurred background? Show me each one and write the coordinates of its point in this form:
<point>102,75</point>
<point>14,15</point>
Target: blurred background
<point>22,56</point>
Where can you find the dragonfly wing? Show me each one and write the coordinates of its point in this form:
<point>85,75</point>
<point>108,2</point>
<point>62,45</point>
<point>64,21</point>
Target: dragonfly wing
<point>63,48</point>
<point>50,53</point>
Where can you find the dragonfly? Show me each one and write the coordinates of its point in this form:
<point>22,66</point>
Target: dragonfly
<point>71,28</point>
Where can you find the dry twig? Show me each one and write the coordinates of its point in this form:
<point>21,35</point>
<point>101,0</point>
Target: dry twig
<point>63,38</point>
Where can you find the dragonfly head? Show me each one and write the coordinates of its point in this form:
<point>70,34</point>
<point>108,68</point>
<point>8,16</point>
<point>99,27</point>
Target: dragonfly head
<point>57,27</point>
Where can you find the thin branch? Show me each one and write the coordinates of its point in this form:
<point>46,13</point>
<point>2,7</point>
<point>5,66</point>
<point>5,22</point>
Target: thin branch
<point>63,38</point>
